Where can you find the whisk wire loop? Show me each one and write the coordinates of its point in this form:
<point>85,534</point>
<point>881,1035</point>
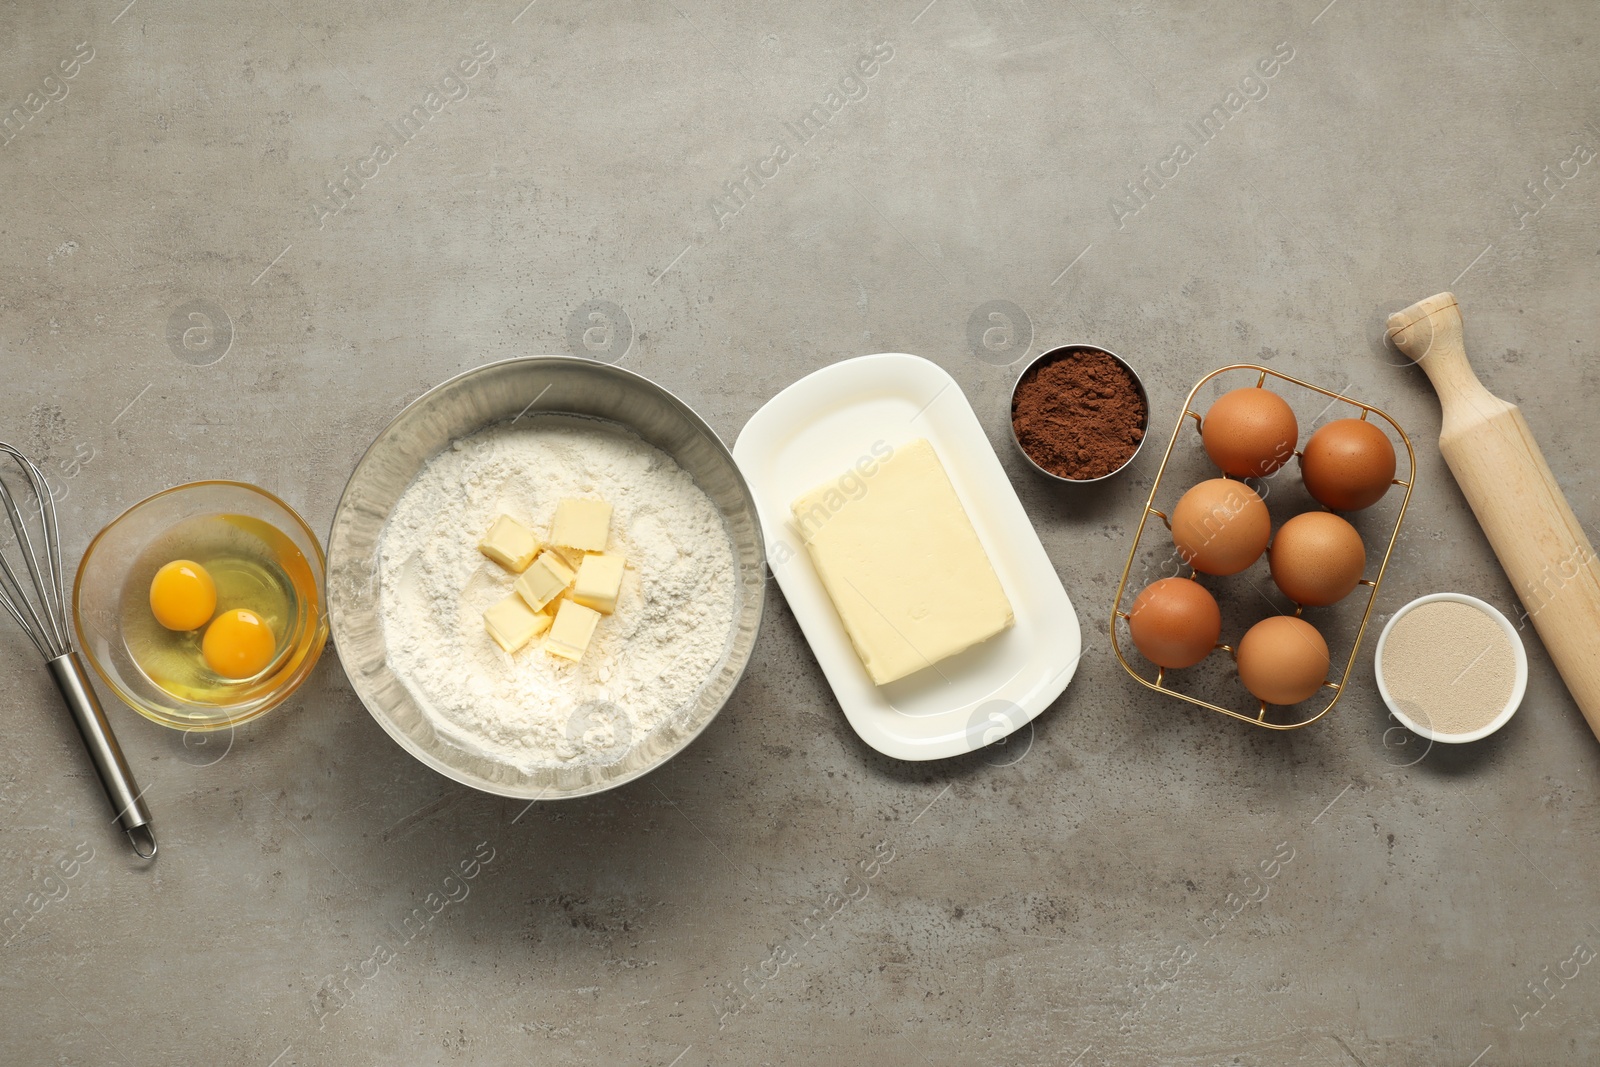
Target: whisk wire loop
<point>43,615</point>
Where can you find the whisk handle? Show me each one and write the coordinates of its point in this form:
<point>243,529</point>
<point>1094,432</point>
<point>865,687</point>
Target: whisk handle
<point>103,749</point>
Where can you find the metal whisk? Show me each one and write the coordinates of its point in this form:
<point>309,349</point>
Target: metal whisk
<point>37,600</point>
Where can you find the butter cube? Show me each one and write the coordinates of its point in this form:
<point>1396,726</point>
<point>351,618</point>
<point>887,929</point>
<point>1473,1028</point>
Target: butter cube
<point>573,628</point>
<point>572,557</point>
<point>582,524</point>
<point>547,579</point>
<point>902,564</point>
<point>513,624</point>
<point>599,581</point>
<point>510,544</point>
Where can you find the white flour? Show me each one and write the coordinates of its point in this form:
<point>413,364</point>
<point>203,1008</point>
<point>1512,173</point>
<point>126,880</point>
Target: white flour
<point>646,661</point>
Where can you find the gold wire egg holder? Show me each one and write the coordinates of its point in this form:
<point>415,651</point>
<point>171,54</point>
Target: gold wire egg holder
<point>1260,716</point>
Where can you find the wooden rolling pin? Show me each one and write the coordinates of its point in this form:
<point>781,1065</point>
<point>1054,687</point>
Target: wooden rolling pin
<point>1500,469</point>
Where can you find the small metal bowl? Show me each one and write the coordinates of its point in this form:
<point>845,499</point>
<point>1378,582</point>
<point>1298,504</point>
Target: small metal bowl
<point>501,393</point>
<point>1059,352</point>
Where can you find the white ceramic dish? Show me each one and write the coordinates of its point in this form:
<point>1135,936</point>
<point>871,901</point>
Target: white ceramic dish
<point>822,425</point>
<point>1518,687</point>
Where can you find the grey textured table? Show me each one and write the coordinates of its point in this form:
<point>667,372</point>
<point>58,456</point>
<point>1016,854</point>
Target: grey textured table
<point>238,238</point>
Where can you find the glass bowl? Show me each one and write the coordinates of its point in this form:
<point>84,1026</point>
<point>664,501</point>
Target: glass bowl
<point>114,580</point>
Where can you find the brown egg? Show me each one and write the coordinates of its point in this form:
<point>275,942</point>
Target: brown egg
<point>1220,526</point>
<point>1282,660</point>
<point>1175,622</point>
<point>1348,465</point>
<point>1250,432</point>
<point>1317,558</point>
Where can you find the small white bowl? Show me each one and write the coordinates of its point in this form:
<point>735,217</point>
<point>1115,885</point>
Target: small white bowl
<point>1518,687</point>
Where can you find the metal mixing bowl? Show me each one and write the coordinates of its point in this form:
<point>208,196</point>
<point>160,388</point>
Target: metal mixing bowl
<point>460,407</point>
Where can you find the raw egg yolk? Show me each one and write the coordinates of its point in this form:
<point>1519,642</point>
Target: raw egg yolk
<point>238,644</point>
<point>182,596</point>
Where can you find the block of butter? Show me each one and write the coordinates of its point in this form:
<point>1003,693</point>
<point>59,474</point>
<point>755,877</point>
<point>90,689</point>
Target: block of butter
<point>573,628</point>
<point>572,557</point>
<point>583,523</point>
<point>513,624</point>
<point>547,579</point>
<point>510,544</point>
<point>902,564</point>
<point>599,581</point>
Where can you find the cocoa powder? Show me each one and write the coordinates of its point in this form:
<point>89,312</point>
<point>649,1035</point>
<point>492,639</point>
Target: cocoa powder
<point>1079,415</point>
